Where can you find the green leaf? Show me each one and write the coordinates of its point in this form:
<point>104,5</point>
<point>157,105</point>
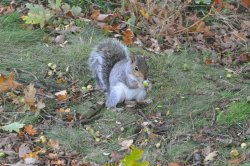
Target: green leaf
<point>132,20</point>
<point>206,2</point>
<point>13,127</point>
<point>37,15</point>
<point>133,157</point>
<point>55,5</point>
<point>76,10</point>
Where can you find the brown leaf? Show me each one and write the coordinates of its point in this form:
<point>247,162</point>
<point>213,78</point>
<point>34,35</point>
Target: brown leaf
<point>116,157</point>
<point>110,28</point>
<point>175,164</point>
<point>40,105</point>
<point>58,162</point>
<point>69,14</point>
<point>95,14</point>
<point>29,130</point>
<point>236,161</point>
<point>210,157</point>
<point>8,83</point>
<point>62,110</point>
<point>54,144</point>
<point>104,17</point>
<point>23,150</point>
<point>62,95</point>
<point>53,156</point>
<point>30,95</point>
<point>128,36</point>
<point>126,144</point>
<point>8,9</point>
<point>244,57</point>
<point>246,3</point>
<point>208,61</point>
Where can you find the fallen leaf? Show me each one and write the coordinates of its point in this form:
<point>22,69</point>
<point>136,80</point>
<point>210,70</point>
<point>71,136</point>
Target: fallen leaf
<point>144,13</point>
<point>116,157</point>
<point>53,156</point>
<point>236,161</point>
<point>58,162</point>
<point>210,157</point>
<point>40,105</point>
<point>246,3</point>
<point>62,95</point>
<point>29,130</point>
<point>244,57</point>
<point>31,155</point>
<point>127,36</point>
<point>13,127</point>
<point>23,150</point>
<point>30,95</point>
<point>30,161</point>
<point>8,83</point>
<point>126,144</point>
<point>208,61</point>
<point>62,110</point>
<point>95,14</point>
<point>54,144</point>
<point>174,164</point>
<point>60,39</point>
<point>76,10</point>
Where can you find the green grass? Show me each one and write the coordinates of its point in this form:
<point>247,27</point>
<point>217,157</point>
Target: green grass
<point>189,95</point>
<point>238,112</point>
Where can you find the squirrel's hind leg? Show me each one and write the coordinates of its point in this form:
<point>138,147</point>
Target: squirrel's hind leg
<point>114,97</point>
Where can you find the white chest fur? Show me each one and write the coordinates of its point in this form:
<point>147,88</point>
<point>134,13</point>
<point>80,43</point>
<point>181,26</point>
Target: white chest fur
<point>126,93</point>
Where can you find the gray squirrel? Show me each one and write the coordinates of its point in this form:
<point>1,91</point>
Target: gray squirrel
<point>117,73</point>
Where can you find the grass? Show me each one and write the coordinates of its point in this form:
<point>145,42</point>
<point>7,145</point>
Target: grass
<point>238,112</point>
<point>182,99</point>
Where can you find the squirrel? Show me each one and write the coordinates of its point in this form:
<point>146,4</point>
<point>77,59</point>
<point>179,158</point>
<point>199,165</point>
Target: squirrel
<point>118,74</point>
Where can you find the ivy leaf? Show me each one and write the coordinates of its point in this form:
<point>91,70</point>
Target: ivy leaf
<point>55,4</point>
<point>13,127</point>
<point>37,15</point>
<point>133,157</point>
<point>76,10</point>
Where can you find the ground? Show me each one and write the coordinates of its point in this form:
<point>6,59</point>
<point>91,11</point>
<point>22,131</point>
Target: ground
<point>196,106</point>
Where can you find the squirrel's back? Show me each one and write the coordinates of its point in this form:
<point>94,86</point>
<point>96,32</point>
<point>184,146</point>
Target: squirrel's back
<point>103,58</point>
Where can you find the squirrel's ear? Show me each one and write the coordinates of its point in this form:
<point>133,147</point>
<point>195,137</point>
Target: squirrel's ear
<point>133,58</point>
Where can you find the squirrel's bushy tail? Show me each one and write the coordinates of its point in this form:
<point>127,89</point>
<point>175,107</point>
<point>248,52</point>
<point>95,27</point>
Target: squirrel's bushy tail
<point>103,58</point>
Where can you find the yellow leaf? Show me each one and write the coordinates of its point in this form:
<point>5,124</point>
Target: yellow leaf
<point>144,13</point>
<point>24,18</point>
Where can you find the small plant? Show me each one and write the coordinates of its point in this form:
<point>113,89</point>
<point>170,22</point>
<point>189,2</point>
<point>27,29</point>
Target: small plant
<point>37,15</point>
<point>133,157</point>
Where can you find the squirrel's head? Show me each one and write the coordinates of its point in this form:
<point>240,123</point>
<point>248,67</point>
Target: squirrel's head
<point>140,67</point>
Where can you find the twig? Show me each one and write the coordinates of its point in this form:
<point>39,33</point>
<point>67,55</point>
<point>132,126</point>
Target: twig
<point>47,96</point>
<point>214,116</point>
<point>145,117</point>
<point>191,120</point>
<point>33,75</point>
<point>197,22</point>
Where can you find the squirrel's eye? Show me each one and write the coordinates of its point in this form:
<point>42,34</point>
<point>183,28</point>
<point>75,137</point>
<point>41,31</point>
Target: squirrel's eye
<point>136,68</point>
